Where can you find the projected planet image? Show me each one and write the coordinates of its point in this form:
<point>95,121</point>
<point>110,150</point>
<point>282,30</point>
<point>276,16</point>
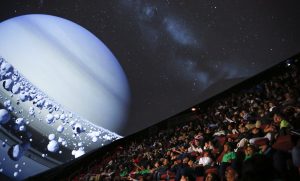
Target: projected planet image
<point>63,94</point>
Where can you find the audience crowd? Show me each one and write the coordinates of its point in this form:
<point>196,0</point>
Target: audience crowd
<point>252,134</point>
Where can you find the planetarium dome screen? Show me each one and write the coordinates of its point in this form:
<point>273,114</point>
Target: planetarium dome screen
<point>78,75</point>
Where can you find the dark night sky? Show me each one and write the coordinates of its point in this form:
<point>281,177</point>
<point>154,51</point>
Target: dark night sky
<point>173,52</point>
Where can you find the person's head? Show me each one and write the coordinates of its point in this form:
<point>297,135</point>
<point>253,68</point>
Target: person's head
<point>168,152</point>
<point>288,96</point>
<point>227,147</point>
<point>211,177</point>
<point>258,124</point>
<point>141,178</point>
<point>178,160</point>
<point>243,113</point>
<point>190,163</point>
<point>206,144</point>
<point>266,106</point>
<point>261,112</point>
<point>148,166</point>
<point>182,148</point>
<point>271,104</point>
<point>231,174</point>
<point>243,129</point>
<point>184,178</point>
<point>255,130</point>
<point>156,164</point>
<point>174,156</point>
<point>277,118</point>
<point>142,166</point>
<point>197,142</point>
<point>185,160</point>
<point>206,154</point>
<point>207,130</point>
<point>165,162</point>
<point>249,150</point>
<point>230,139</point>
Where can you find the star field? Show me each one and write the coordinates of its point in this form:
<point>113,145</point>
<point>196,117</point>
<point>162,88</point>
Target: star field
<point>178,53</point>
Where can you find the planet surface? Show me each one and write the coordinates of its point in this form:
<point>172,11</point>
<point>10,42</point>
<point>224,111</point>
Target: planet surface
<point>62,94</point>
<point>70,65</point>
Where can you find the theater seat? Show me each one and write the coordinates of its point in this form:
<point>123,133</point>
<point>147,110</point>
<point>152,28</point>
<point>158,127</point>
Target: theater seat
<point>163,176</point>
<point>168,175</point>
<point>199,178</point>
<point>232,136</point>
<point>260,142</point>
<point>211,170</point>
<point>283,143</point>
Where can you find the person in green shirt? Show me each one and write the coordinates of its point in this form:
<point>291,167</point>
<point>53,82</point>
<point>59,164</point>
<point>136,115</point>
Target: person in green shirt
<point>124,172</point>
<point>284,125</point>
<point>227,159</point>
<point>142,172</point>
<point>229,154</point>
